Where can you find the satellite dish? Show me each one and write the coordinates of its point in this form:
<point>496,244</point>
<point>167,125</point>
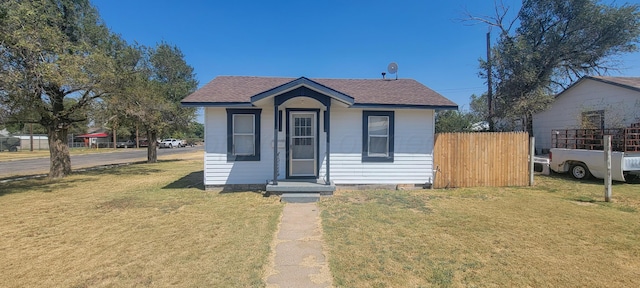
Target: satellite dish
<point>393,68</point>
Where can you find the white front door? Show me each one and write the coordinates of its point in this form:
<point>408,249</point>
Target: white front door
<point>302,144</point>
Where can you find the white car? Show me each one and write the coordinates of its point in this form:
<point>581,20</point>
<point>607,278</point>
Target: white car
<point>171,143</point>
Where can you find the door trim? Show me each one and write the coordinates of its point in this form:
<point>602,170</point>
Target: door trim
<point>288,140</point>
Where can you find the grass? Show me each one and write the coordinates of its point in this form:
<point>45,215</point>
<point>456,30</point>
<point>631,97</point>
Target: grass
<point>26,154</point>
<point>148,225</point>
<point>152,225</point>
<point>558,233</point>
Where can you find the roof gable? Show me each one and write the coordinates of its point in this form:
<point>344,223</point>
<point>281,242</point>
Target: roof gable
<point>632,83</point>
<point>243,91</point>
<point>303,81</point>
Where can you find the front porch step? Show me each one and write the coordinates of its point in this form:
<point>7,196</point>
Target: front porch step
<point>300,197</point>
<point>301,187</point>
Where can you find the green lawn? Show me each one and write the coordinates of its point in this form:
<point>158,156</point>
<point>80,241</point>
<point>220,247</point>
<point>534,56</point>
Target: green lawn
<point>148,225</point>
<point>559,233</point>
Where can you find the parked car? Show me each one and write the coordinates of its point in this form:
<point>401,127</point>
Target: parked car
<point>126,144</point>
<point>171,143</point>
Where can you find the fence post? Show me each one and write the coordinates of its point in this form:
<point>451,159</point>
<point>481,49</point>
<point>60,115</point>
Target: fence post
<point>607,161</point>
<point>532,149</point>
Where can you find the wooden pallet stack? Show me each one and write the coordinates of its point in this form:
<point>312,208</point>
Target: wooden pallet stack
<point>623,139</point>
<point>632,138</point>
<point>589,139</point>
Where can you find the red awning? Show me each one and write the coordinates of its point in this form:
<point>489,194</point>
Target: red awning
<point>93,135</point>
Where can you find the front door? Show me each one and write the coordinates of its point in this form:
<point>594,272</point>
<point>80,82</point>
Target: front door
<point>303,144</point>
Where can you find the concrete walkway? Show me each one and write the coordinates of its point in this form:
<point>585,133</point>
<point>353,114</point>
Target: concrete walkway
<point>299,260</point>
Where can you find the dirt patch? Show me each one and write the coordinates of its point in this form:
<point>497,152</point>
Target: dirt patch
<point>119,204</point>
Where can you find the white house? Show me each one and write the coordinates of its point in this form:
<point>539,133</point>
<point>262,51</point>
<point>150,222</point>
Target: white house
<point>592,102</point>
<point>267,130</point>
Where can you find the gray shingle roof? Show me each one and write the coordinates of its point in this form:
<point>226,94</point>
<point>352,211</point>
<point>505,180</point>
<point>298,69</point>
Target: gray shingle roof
<point>239,89</point>
<point>626,82</point>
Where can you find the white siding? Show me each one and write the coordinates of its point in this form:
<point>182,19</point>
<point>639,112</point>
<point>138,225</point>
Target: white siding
<point>621,106</point>
<point>413,157</point>
<point>217,171</point>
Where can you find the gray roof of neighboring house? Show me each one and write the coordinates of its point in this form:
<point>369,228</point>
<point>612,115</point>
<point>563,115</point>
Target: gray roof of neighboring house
<point>401,92</point>
<point>632,83</point>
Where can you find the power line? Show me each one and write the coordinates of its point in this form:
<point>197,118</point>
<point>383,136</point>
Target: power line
<point>461,89</point>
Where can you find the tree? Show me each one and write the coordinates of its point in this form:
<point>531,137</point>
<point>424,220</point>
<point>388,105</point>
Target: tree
<point>478,106</point>
<point>50,52</point>
<point>556,42</point>
<point>454,121</point>
<point>196,130</point>
<point>152,96</point>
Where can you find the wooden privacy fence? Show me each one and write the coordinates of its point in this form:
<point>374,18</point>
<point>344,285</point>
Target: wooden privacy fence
<point>481,159</point>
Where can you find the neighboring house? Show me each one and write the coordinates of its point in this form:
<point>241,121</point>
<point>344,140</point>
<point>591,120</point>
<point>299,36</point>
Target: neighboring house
<point>96,139</point>
<point>261,130</point>
<point>592,102</point>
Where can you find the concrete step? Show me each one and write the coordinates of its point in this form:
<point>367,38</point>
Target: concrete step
<point>300,197</point>
<point>289,186</point>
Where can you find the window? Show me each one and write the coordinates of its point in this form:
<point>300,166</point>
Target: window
<point>593,119</point>
<point>377,136</point>
<point>243,134</point>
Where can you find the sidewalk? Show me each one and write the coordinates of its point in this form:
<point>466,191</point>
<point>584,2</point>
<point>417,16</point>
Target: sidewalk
<point>299,260</point>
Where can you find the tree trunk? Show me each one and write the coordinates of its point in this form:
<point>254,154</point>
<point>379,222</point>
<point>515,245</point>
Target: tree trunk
<point>59,153</point>
<point>114,135</point>
<point>152,151</point>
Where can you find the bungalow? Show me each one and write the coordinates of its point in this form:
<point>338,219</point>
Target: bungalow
<point>269,132</point>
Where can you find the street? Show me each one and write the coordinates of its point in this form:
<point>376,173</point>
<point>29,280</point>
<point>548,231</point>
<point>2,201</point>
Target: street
<point>39,166</point>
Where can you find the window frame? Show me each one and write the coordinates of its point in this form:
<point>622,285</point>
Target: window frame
<point>366,157</point>
<point>593,113</point>
<point>231,157</point>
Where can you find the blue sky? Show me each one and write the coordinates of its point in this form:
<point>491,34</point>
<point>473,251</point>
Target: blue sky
<point>322,39</point>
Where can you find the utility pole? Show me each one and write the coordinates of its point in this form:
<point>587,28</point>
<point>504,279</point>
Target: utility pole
<point>489,88</point>
<point>114,127</point>
<point>137,137</point>
<point>31,137</point>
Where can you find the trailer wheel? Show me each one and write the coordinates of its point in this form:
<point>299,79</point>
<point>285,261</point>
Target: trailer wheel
<point>580,171</point>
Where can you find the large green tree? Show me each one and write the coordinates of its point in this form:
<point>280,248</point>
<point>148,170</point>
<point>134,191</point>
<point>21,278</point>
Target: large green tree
<point>552,43</point>
<point>151,97</point>
<point>52,51</point>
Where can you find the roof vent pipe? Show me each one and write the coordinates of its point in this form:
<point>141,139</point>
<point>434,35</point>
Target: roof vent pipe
<point>383,73</point>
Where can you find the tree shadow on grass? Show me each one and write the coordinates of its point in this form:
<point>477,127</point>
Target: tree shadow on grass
<point>134,168</point>
<point>120,169</point>
<point>40,183</point>
<point>44,185</point>
<point>191,180</point>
